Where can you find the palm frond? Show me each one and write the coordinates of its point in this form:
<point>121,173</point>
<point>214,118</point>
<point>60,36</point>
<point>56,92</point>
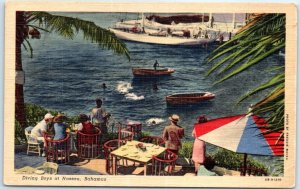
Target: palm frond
<point>68,27</point>
<point>30,47</point>
<point>276,80</point>
<point>263,36</point>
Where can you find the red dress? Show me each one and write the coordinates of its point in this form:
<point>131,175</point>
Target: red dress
<point>88,128</point>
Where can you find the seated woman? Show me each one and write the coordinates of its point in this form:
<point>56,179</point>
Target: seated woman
<point>59,127</point>
<point>205,170</point>
<point>85,125</point>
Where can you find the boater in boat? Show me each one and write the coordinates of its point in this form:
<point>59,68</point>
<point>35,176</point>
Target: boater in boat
<point>156,64</point>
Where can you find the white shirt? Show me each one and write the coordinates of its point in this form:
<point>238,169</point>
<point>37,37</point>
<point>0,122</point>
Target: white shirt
<point>39,128</point>
<point>79,126</point>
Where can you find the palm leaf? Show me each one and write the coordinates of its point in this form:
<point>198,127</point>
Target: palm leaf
<point>68,27</point>
<point>263,36</point>
<point>30,48</point>
<point>278,79</point>
<point>251,63</point>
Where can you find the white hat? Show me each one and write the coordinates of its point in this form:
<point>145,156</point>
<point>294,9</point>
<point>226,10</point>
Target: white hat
<point>174,118</point>
<point>48,116</point>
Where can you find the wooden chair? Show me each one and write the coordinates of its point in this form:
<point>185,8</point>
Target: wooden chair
<point>153,140</point>
<point>89,145</point>
<point>110,146</point>
<point>164,164</point>
<point>33,145</point>
<point>57,151</point>
<point>126,135</point>
<point>136,128</point>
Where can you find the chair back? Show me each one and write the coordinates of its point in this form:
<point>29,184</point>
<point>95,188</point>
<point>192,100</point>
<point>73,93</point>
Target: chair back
<point>28,129</point>
<point>31,139</point>
<point>110,146</point>
<point>33,145</point>
<point>89,145</point>
<point>57,151</point>
<point>153,140</point>
<point>126,135</point>
<point>136,128</point>
<point>164,164</point>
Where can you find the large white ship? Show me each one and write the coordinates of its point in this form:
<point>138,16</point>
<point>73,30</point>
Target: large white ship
<point>175,30</point>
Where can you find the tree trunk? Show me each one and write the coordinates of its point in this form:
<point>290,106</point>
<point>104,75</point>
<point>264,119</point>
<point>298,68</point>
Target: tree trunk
<point>21,33</point>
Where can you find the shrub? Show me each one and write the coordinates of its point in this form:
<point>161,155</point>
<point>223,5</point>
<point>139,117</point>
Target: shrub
<point>187,149</point>
<point>233,161</point>
<point>35,113</point>
<point>279,168</point>
<point>20,137</point>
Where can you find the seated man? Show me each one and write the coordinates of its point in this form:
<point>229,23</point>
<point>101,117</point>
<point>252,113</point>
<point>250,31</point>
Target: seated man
<point>41,128</point>
<point>205,170</point>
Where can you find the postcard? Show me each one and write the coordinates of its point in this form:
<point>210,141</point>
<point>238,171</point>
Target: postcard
<point>150,94</point>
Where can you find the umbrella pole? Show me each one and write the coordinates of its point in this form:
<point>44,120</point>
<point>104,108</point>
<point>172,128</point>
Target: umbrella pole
<point>245,165</point>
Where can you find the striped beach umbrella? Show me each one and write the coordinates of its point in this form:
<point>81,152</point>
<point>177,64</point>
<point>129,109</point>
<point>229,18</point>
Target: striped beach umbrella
<point>242,134</point>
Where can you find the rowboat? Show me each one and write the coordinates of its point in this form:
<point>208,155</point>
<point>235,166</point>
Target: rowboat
<point>142,72</point>
<point>189,98</point>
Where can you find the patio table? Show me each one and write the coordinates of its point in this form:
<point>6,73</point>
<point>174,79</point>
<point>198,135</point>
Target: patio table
<point>130,152</point>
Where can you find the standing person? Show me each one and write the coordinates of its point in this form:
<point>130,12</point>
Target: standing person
<point>199,146</point>
<point>99,117</point>
<point>221,39</point>
<point>59,127</point>
<point>212,22</point>
<point>155,65</point>
<point>173,134</point>
<point>41,128</point>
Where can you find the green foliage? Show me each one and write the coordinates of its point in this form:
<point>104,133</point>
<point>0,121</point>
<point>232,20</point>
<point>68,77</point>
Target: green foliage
<point>228,159</point>
<point>36,113</point>
<point>145,134</point>
<point>279,168</point>
<point>263,36</point>
<point>187,149</point>
<point>20,137</point>
<point>233,161</point>
<point>68,27</point>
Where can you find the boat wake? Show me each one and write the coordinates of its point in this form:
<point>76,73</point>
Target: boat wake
<point>124,88</point>
<point>154,121</point>
<point>133,96</point>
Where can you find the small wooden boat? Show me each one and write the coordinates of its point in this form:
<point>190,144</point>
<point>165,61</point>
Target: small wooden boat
<point>189,98</point>
<point>143,72</point>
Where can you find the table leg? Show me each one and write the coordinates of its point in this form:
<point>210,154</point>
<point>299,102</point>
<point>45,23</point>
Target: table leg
<point>145,169</point>
<point>114,165</point>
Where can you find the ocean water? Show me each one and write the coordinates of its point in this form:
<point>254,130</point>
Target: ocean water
<point>67,75</point>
